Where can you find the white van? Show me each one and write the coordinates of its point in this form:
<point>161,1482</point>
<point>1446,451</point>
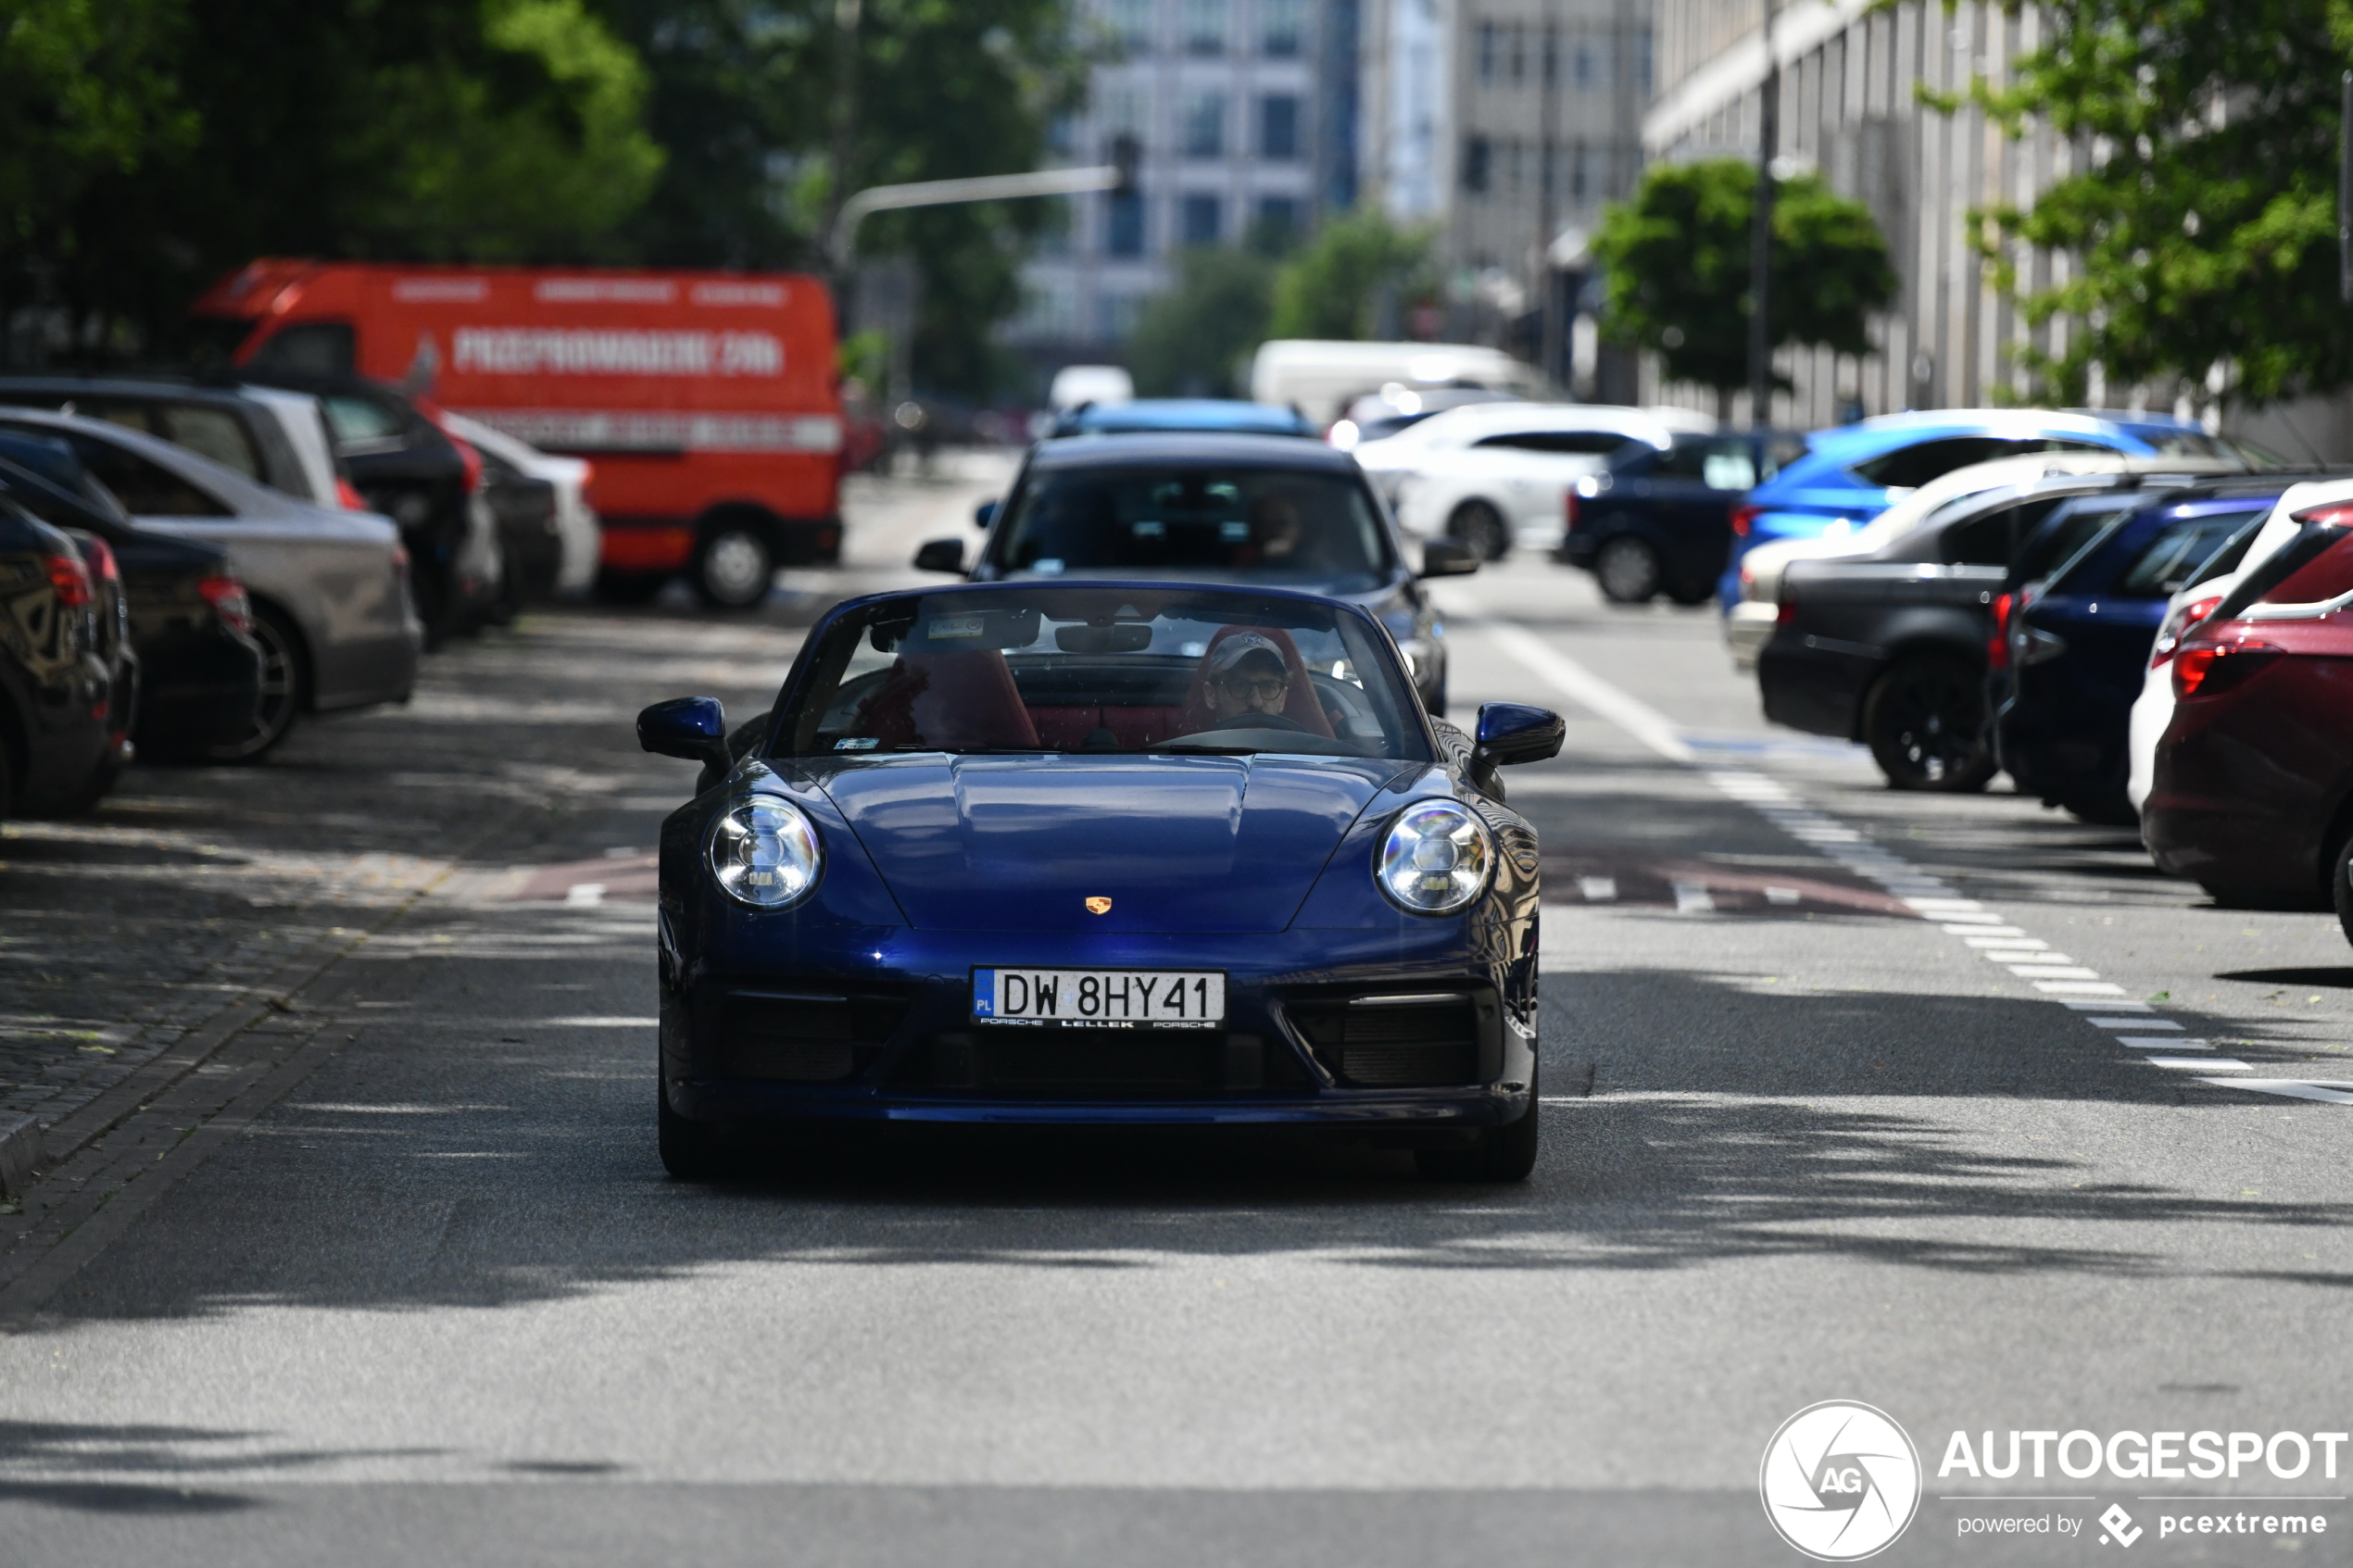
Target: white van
<point>1321,378</point>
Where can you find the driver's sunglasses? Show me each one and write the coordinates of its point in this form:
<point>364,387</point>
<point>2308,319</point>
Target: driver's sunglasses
<point>1264,685</point>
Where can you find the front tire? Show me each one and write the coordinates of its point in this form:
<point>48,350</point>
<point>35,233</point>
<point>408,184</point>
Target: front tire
<point>692,1151</point>
<point>285,674</point>
<point>1481,527</point>
<point>2341,886</point>
<point>1925,723</point>
<point>1628,570</point>
<point>1502,1154</point>
<point>734,565</point>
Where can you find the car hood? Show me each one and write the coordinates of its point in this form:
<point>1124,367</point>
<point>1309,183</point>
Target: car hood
<point>1178,843</point>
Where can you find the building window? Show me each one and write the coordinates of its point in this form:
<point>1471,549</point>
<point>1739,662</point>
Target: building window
<point>1477,150</point>
<point>1131,24</point>
<point>1198,220</point>
<point>1643,62</point>
<point>1579,182</point>
<point>1278,125</point>
<point>1204,27</point>
<point>1124,224</point>
<point>1519,55</point>
<point>1584,64</point>
<point>1282,26</point>
<point>1487,40</point>
<point>1277,220</point>
<point>1205,125</point>
<point>1122,113</point>
<point>1514,154</point>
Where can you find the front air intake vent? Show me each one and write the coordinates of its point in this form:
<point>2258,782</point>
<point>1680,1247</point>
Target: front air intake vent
<point>794,1037</point>
<point>1394,1041</point>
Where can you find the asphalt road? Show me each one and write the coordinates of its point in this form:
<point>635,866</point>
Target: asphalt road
<point>1897,1099</point>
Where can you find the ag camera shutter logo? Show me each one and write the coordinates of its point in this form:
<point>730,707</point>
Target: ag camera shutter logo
<point>1840,1481</point>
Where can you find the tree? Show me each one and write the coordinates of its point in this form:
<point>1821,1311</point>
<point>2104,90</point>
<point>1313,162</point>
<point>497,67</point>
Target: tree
<point>459,130</point>
<point>743,100</point>
<point>2203,225</point>
<point>1191,340</point>
<point>1676,258</point>
<point>86,89</point>
<point>1354,278</point>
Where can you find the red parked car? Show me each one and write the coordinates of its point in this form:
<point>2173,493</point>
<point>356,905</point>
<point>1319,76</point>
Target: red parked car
<point>2253,796</point>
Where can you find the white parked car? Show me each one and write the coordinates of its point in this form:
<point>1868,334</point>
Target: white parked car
<point>2153,710</point>
<point>576,526</point>
<point>1321,377</point>
<point>1496,474</point>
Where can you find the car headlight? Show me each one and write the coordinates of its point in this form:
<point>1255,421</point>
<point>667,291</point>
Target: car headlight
<point>1436,858</point>
<point>763,852</point>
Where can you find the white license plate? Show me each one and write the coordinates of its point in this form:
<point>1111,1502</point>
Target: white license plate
<point>1101,998</point>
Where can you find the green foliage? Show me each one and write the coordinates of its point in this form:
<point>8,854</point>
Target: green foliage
<point>2205,229</point>
<point>1678,260</point>
<point>1337,284</point>
<point>147,146</point>
<point>86,88</point>
<point>1192,340</point>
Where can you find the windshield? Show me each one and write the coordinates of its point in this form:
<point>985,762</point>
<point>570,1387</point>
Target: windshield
<point>1105,670</point>
<point>1283,524</point>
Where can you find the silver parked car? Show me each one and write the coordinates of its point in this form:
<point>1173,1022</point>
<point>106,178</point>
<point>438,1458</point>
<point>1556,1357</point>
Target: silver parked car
<point>329,586</point>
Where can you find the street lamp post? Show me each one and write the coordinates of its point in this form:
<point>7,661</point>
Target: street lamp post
<point>1760,253</point>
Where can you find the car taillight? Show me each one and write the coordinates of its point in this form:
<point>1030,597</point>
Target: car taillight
<point>1998,647</point>
<point>2177,626</point>
<point>227,596</point>
<point>2212,669</point>
<point>71,580</point>
<point>348,498</point>
<point>1568,509</point>
<point>100,555</point>
<point>1786,615</point>
<point>1744,520</point>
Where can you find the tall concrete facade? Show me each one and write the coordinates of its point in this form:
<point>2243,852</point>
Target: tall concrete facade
<point>1850,76</point>
<point>1508,124</point>
<point>1245,114</point>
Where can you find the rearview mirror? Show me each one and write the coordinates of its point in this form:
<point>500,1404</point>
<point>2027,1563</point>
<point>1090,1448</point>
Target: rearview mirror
<point>984,514</point>
<point>691,727</point>
<point>1448,557</point>
<point>941,555</point>
<point>1513,731</point>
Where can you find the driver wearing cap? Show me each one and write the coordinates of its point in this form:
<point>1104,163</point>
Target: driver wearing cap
<point>1247,675</point>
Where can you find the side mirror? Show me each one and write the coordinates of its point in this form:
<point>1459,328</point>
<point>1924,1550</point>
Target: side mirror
<point>941,555</point>
<point>1448,557</point>
<point>691,727</point>
<point>1513,731</point>
<point>984,514</point>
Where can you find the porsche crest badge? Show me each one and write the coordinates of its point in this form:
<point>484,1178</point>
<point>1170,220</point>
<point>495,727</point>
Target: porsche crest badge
<point>1098,905</point>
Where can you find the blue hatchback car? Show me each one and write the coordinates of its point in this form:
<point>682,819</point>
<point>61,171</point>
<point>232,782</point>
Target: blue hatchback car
<point>1851,474</point>
<point>2073,650</point>
<point>1107,853</point>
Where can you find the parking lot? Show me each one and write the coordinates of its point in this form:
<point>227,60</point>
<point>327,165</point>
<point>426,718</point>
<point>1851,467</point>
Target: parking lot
<point>354,1238</point>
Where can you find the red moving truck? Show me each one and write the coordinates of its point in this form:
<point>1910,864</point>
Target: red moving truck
<point>707,400</point>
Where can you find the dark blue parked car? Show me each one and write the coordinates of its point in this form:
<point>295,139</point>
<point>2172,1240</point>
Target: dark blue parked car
<point>2070,652</point>
<point>1110,853</point>
<point>1661,522</point>
<point>1851,474</point>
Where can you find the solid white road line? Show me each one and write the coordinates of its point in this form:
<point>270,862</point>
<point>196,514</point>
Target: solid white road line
<point>2162,1043</point>
<point>1692,897</point>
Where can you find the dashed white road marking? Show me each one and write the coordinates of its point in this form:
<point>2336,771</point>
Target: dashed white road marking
<point>1782,894</point>
<point>1598,889</point>
<point>585,894</point>
<point>1693,897</point>
<point>2162,1042</point>
<point>2073,985</point>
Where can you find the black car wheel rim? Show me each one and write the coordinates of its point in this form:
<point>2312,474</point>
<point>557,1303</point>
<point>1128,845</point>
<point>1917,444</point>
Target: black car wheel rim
<point>1931,723</point>
<point>281,684</point>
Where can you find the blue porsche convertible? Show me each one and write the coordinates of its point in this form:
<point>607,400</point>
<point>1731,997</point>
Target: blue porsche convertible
<point>1102,853</point>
